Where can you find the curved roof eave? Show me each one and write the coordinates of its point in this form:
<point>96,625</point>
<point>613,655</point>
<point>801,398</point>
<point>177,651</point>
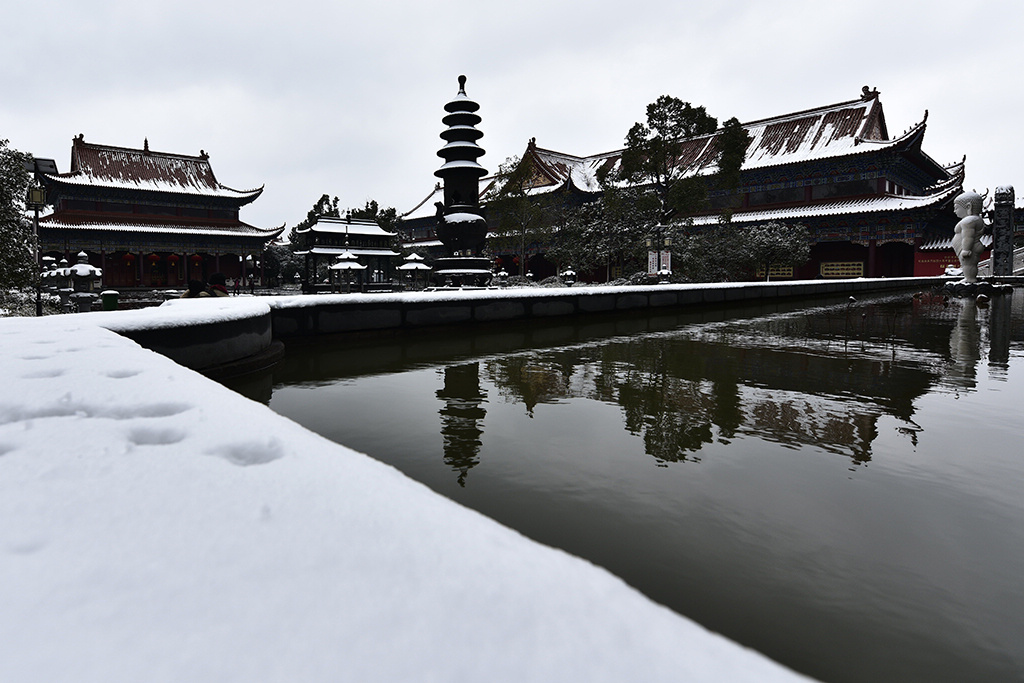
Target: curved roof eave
<point>82,180</point>
<point>878,204</point>
<point>246,231</point>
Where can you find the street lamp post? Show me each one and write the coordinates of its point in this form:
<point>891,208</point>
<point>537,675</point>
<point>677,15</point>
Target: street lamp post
<point>659,252</point>
<point>37,200</point>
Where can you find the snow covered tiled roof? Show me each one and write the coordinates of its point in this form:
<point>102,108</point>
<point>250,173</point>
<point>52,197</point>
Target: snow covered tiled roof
<point>342,226</point>
<point>233,230</point>
<point>873,204</point>
<point>946,243</point>
<point>847,128</point>
<point>142,169</point>
<point>356,251</point>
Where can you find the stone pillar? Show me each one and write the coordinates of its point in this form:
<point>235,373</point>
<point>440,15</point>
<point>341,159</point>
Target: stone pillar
<point>1002,232</point>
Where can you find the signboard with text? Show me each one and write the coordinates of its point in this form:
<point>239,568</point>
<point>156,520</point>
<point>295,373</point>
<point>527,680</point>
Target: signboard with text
<point>842,269</point>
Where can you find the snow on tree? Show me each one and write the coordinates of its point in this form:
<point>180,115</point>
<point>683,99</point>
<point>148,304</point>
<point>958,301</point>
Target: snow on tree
<point>730,253</point>
<point>776,244</point>
<point>17,237</point>
<point>522,219</point>
<point>652,152</point>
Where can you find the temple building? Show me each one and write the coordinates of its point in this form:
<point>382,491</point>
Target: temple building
<point>869,200</point>
<point>149,219</point>
<point>362,241</point>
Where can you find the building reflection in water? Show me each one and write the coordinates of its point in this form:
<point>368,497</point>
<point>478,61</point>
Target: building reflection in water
<point>780,379</point>
<point>822,378</point>
<point>461,417</point>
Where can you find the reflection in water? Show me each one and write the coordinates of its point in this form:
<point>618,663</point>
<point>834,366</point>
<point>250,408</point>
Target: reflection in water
<point>680,394</point>
<point>829,512</point>
<point>819,378</point>
<point>965,344</point>
<point>461,417</point>
<point>999,330</point>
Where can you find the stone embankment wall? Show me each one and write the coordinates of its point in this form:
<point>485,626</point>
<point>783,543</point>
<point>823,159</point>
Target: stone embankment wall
<point>307,316</point>
<point>236,335</point>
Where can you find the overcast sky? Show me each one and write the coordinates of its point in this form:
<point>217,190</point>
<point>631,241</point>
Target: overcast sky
<point>310,97</point>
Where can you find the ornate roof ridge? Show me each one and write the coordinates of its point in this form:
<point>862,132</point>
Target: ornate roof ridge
<point>814,110</point>
<point>145,151</point>
<point>433,193</point>
<point>104,166</point>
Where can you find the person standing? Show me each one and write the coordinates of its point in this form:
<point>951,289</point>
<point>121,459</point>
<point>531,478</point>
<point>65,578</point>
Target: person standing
<point>218,285</point>
<point>196,289</point>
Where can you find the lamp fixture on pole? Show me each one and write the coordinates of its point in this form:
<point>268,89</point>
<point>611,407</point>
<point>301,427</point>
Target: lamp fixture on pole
<point>37,200</point>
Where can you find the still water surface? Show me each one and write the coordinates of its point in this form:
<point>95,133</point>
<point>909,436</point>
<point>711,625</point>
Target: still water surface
<point>838,487</point>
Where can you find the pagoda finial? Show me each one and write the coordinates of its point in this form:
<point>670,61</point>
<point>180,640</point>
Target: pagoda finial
<point>145,145</point>
<point>462,85</point>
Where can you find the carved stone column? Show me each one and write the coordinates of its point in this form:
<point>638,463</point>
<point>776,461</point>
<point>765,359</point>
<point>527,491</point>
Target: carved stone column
<point>1002,232</point>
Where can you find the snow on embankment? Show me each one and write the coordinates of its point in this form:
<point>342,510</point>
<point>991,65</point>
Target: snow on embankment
<point>197,333</point>
<point>155,526</point>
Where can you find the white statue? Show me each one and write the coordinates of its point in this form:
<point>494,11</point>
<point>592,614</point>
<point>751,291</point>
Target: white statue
<point>967,234</point>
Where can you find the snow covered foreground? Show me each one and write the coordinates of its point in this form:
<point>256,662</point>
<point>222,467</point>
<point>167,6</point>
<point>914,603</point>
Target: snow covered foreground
<point>155,526</point>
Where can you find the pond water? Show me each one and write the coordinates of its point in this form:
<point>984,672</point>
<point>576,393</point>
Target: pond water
<point>838,487</point>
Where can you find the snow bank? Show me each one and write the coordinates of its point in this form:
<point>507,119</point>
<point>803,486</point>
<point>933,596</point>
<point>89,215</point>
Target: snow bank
<point>155,526</point>
<point>181,313</point>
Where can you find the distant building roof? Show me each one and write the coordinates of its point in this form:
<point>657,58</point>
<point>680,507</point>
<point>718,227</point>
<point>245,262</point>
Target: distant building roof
<point>104,166</point>
<point>426,208</point>
<point>848,128</point>
<point>939,194</point>
<point>232,229</point>
<point>357,251</point>
<point>343,226</point>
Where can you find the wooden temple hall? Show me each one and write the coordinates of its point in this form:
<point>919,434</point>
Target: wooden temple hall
<point>875,203</point>
<point>148,219</point>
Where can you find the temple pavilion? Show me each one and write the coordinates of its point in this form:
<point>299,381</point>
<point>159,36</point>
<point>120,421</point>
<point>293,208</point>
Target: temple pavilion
<point>870,200</point>
<point>149,219</point>
<point>330,239</point>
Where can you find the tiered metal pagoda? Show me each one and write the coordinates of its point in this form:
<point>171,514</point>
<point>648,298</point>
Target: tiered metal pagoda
<point>461,225</point>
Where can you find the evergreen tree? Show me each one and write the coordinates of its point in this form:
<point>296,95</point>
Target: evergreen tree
<point>280,263</point>
<point>325,206</point>
<point>652,155</point>
<point>729,253</point>
<point>387,218</point>
<point>731,145</point>
<point>521,219</point>
<point>775,244</point>
<point>17,237</point>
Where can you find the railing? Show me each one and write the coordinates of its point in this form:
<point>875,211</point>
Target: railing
<point>985,267</point>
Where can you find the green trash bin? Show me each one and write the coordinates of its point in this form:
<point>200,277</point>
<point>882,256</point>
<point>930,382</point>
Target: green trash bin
<point>109,298</point>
